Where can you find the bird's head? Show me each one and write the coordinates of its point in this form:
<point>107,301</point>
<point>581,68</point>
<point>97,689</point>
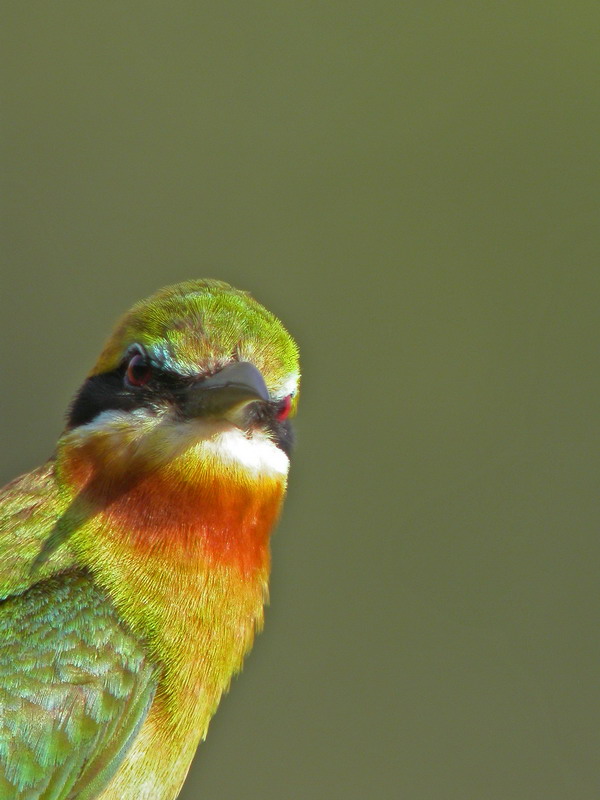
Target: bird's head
<point>199,378</point>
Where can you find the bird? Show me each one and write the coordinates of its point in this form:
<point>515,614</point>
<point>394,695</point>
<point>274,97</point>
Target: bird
<point>134,563</point>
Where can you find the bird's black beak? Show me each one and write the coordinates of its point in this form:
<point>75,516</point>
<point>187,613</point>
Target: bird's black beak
<point>227,391</point>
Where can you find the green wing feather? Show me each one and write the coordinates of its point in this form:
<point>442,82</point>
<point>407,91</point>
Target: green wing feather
<point>30,508</point>
<point>75,684</point>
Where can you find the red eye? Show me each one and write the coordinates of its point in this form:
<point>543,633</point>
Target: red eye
<point>284,408</point>
<point>139,370</point>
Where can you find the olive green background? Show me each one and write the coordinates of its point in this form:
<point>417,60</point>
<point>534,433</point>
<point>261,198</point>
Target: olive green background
<point>413,187</point>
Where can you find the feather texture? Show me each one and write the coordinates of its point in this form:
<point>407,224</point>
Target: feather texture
<point>134,565</point>
<point>75,685</point>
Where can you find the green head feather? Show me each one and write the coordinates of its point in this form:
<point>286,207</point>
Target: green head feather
<point>197,327</point>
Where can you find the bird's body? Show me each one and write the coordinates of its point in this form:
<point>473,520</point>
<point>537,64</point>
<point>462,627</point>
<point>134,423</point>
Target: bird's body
<point>134,564</point>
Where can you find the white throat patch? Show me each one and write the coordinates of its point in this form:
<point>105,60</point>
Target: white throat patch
<point>256,454</point>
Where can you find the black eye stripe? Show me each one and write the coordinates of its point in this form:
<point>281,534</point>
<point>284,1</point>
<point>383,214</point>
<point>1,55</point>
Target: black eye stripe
<point>281,431</point>
<point>110,392</point>
<point>283,435</point>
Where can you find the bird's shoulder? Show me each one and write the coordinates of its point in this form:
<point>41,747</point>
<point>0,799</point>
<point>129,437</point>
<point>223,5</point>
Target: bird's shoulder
<point>30,507</point>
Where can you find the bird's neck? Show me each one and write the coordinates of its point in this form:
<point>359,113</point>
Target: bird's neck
<point>184,554</point>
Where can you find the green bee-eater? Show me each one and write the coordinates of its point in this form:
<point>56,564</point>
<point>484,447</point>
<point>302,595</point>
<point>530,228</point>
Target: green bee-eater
<point>134,564</point>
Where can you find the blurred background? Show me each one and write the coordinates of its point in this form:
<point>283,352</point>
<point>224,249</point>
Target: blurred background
<point>414,189</point>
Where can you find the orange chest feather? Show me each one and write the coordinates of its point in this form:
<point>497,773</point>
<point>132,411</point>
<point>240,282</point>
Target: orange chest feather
<point>218,517</point>
<point>227,523</point>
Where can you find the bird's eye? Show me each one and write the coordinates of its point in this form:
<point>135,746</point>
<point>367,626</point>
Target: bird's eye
<point>284,408</point>
<point>138,371</point>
